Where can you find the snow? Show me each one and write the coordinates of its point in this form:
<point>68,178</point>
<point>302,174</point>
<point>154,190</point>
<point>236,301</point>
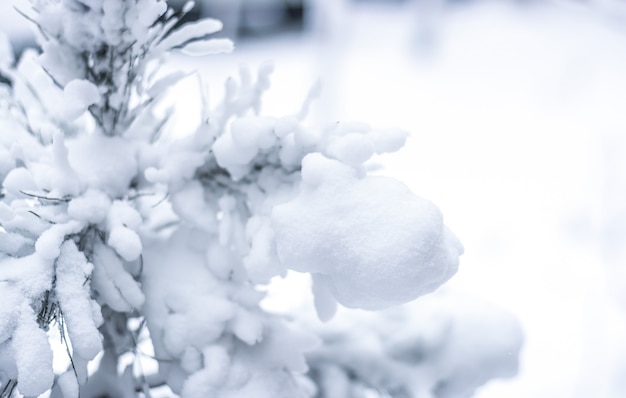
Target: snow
<point>105,163</point>
<point>220,260</point>
<point>191,316</point>
<point>206,382</point>
<point>48,246</point>
<point>72,270</point>
<point>7,362</point>
<point>270,384</point>
<point>286,125</point>
<point>289,150</point>
<point>199,324</point>
<point>78,95</point>
<point>247,326</point>
<point>261,261</point>
<point>33,356</point>
<point>189,32</point>
<point>352,149</point>
<point>12,299</point>
<point>325,303</point>
<point>63,179</point>
<point>91,207</point>
<point>151,10</point>
<point>114,284</point>
<point>465,359</point>
<point>178,166</point>
<point>253,132</point>
<point>126,243</point>
<point>188,6</point>
<point>376,242</point>
<point>202,48</point>
<point>64,65</point>
<point>19,179</point>
<point>32,274</point>
<point>68,384</point>
<point>435,346</point>
<point>164,83</point>
<point>209,310</point>
<point>113,20</point>
<point>388,140</point>
<point>283,347</point>
<point>191,360</point>
<point>232,156</point>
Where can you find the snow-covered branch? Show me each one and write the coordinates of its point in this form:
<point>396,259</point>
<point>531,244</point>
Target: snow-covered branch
<point>107,222</point>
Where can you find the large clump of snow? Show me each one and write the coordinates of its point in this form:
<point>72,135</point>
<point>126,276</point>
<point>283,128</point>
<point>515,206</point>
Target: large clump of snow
<point>370,241</point>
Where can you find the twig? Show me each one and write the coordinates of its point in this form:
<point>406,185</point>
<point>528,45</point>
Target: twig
<point>32,195</point>
<point>8,388</point>
<point>29,18</point>
<point>66,343</point>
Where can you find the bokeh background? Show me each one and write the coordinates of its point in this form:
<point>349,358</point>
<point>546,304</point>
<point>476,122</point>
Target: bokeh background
<point>517,114</point>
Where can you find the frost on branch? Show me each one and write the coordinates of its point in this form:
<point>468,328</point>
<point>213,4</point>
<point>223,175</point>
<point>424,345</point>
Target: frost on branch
<point>128,238</point>
<point>443,346</point>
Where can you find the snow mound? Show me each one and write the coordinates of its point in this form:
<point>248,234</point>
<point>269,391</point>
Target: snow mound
<point>369,239</point>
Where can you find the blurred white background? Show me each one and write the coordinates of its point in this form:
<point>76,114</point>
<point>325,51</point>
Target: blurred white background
<point>517,111</point>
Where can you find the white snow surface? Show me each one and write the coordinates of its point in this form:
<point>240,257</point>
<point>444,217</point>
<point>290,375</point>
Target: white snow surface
<point>114,284</point>
<point>374,242</point>
<point>208,47</point>
<point>105,163</point>
<point>73,293</point>
<point>91,207</point>
<point>190,32</point>
<point>78,95</point>
<point>68,384</point>
<point>33,355</point>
